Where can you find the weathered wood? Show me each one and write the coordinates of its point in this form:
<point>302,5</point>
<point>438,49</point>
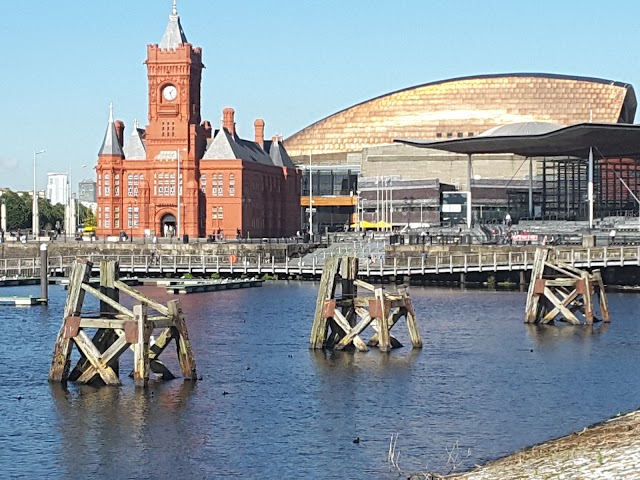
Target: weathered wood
<point>602,296</point>
<point>183,345</point>
<point>365,285</point>
<point>384,340</point>
<point>151,303</point>
<point>107,305</point>
<point>566,313</point>
<point>341,321</point>
<point>92,354</point>
<point>141,367</point>
<point>355,331</point>
<point>61,359</point>
<point>117,348</point>
<point>109,296</point>
<point>533,298</point>
<point>325,292</point>
<point>412,323</point>
<point>588,302</point>
<point>552,314</point>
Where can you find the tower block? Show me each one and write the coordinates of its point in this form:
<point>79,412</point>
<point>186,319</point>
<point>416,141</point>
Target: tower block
<point>340,319</point>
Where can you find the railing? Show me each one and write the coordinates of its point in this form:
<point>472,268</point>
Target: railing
<point>497,260</point>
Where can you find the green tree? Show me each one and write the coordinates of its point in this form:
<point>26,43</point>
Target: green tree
<point>18,210</point>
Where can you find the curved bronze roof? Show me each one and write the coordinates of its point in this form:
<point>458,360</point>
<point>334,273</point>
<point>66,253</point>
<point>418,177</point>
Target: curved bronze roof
<point>465,107</point>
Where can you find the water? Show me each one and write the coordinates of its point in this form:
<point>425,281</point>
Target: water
<point>483,380</point>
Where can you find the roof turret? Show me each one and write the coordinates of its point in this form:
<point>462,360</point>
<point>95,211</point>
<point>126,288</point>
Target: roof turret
<point>110,144</point>
<point>174,35</point>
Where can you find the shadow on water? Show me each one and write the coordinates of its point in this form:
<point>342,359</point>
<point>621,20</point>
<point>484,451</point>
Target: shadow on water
<point>330,362</point>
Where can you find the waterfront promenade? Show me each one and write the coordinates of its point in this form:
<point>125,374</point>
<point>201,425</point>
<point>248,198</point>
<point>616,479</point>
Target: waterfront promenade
<point>490,259</point>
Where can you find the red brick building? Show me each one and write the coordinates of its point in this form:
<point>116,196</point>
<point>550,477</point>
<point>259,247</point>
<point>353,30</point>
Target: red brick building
<point>180,177</point>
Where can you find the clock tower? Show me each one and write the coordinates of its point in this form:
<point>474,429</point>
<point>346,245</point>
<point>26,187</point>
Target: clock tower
<point>174,71</point>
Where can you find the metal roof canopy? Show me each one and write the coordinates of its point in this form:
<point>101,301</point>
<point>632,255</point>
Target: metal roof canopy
<point>609,140</point>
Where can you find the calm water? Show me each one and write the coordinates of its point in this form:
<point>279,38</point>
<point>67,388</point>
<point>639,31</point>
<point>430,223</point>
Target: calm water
<point>483,380</point>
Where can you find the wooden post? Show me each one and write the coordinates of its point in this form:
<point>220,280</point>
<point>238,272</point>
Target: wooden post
<point>383,322</point>
<point>183,345</point>
<point>61,360</point>
<point>602,297</point>
<point>412,324</point>
<point>533,296</point>
<point>44,272</point>
<point>141,347</point>
<point>325,292</point>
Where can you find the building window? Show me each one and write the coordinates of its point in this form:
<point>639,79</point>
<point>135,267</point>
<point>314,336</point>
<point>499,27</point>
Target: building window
<point>470,134</point>
<point>203,183</point>
<point>107,216</point>
<point>460,134</point>
<point>214,213</point>
<point>107,185</point>
<point>449,135</point>
<point>232,185</point>
<point>220,213</point>
<point>214,185</point>
<point>220,184</point>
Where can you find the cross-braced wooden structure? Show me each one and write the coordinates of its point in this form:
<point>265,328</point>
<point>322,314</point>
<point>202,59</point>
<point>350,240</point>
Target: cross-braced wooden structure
<point>559,291</point>
<point>340,319</point>
<point>117,329</point>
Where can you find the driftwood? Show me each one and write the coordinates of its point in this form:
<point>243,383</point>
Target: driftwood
<point>340,320</point>
<point>118,329</point>
<point>559,291</point>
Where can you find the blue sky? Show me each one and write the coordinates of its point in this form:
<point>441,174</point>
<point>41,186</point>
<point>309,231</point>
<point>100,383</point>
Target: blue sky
<point>290,62</point>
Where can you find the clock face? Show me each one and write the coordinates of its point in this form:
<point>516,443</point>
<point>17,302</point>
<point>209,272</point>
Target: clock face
<point>170,93</point>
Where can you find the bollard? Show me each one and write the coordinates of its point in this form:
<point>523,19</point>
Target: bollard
<point>44,277</point>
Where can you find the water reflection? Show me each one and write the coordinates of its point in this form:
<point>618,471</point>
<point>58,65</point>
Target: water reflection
<point>551,336</point>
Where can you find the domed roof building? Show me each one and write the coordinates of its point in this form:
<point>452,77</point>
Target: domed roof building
<point>467,106</point>
<point>353,155</point>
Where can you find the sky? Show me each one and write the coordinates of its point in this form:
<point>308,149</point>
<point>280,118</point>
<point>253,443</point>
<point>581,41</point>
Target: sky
<point>290,62</point>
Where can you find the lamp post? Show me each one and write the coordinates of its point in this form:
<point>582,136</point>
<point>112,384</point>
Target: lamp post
<point>178,194</point>
<point>133,214</point>
<point>310,198</point>
<point>35,225</point>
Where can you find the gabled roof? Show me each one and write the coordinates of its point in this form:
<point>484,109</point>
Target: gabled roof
<point>223,147</point>
<point>279,155</point>
<point>174,35</point>
<point>110,144</point>
<point>134,148</point>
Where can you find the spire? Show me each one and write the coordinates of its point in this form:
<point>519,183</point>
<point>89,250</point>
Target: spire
<point>174,35</point>
<point>110,144</point>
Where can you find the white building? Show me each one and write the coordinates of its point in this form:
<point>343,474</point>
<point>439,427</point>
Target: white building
<point>57,188</point>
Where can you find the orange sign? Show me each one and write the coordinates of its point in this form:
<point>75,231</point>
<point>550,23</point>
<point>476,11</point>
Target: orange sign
<point>232,259</point>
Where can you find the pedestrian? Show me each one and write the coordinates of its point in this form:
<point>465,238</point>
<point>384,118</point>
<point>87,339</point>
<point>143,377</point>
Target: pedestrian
<point>612,236</point>
<point>507,220</point>
<point>238,233</point>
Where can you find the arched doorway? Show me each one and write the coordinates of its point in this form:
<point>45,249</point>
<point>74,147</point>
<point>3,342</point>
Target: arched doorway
<point>168,225</point>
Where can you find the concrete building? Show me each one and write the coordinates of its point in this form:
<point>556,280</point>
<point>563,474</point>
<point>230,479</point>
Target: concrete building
<point>58,188</point>
<point>179,175</point>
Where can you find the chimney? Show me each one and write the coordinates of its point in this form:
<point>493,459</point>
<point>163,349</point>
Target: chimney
<point>259,127</point>
<point>228,121</point>
<point>119,124</point>
<point>206,126</point>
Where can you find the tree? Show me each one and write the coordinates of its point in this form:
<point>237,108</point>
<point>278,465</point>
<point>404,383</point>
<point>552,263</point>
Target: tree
<point>18,210</point>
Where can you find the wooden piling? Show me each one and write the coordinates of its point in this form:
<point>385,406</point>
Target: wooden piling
<point>560,291</point>
<point>340,320</point>
<point>118,330</point>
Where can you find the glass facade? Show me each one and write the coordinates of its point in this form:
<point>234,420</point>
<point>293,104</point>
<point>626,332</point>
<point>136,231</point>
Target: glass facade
<point>330,182</point>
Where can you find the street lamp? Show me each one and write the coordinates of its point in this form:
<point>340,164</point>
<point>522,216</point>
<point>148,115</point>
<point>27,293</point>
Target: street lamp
<point>133,214</point>
<point>35,222</point>
<point>178,184</point>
